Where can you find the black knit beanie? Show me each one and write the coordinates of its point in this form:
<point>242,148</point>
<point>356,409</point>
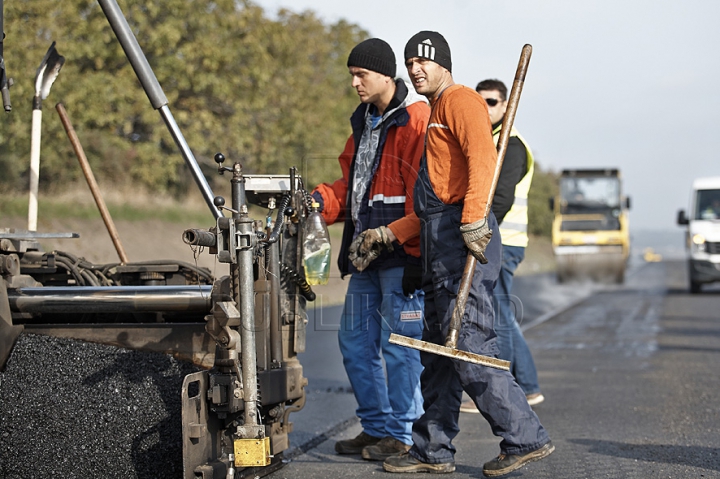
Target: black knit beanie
<point>373,54</point>
<point>430,45</point>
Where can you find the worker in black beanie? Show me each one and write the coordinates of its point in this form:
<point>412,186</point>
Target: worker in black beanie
<point>373,54</point>
<point>379,251</point>
<point>430,45</point>
<point>453,199</point>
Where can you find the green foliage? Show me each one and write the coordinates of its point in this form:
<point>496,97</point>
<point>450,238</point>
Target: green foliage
<point>268,93</point>
<point>540,217</point>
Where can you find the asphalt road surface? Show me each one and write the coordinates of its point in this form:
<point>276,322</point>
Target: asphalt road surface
<point>630,376</point>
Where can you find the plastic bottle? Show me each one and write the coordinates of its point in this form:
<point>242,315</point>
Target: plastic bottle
<point>316,248</point>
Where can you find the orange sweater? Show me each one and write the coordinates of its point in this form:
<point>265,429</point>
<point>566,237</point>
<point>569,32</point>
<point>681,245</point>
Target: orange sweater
<point>461,154</point>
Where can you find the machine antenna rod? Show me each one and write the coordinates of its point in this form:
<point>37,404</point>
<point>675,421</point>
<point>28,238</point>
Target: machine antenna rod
<point>154,91</point>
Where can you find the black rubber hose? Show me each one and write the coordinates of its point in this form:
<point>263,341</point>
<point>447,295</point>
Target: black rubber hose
<point>293,275</point>
<point>77,266</point>
<point>69,265</point>
<point>275,235</point>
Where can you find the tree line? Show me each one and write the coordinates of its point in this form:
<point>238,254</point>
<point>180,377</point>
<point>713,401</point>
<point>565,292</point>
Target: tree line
<point>270,93</point>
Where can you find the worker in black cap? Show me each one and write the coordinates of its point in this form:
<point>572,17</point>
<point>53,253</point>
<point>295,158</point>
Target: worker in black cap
<point>380,251</point>
<point>452,201</point>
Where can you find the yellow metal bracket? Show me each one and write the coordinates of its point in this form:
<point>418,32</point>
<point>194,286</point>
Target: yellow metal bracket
<point>252,452</point>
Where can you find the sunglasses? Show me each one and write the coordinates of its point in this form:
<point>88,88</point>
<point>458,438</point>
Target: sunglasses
<point>492,101</point>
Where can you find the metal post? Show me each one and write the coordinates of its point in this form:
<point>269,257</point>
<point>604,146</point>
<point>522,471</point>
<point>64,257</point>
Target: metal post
<point>5,82</point>
<point>276,355</point>
<point>244,295</point>
<point>245,254</point>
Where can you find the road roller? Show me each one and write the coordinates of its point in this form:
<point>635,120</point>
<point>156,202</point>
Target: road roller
<point>590,232</point>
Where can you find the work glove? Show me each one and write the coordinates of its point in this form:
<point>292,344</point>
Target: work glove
<point>412,278</point>
<point>369,245</point>
<point>476,237</point>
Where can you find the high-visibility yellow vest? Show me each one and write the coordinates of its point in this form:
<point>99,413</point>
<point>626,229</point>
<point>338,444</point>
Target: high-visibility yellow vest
<point>514,226</point>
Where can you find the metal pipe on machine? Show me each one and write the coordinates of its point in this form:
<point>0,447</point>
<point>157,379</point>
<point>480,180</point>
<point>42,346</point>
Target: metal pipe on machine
<point>110,299</point>
<point>276,356</point>
<point>155,94</point>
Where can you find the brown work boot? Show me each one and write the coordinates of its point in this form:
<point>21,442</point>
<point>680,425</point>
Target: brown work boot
<point>388,446</point>
<point>507,463</point>
<point>407,463</point>
<point>356,444</point>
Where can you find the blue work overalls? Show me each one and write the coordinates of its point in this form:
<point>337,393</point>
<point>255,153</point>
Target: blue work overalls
<point>494,391</point>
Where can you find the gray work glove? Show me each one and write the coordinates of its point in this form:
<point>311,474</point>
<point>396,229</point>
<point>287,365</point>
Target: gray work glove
<point>476,237</point>
<point>367,246</point>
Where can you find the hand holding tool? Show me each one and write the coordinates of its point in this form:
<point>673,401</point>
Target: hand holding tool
<point>450,349</point>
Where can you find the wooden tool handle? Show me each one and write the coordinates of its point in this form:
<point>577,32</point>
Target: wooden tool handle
<point>504,138</point>
<point>509,119</point>
<point>90,177</point>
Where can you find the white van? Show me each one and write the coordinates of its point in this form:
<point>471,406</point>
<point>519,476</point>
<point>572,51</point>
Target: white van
<point>703,232</point>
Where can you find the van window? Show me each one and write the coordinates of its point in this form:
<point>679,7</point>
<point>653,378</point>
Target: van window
<point>707,206</point>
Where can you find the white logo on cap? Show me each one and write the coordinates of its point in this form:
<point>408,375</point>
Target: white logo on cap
<point>426,50</point>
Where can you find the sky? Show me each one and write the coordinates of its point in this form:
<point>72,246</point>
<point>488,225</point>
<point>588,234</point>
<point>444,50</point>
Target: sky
<point>628,84</point>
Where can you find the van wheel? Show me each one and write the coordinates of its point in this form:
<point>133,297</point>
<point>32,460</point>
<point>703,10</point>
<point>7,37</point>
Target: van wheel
<point>694,287</point>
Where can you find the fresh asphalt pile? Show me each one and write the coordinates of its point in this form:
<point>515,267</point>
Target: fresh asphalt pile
<point>73,409</point>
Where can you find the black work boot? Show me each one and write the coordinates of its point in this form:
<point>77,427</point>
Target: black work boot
<point>356,444</point>
<point>388,446</point>
<point>407,463</point>
<point>506,463</point>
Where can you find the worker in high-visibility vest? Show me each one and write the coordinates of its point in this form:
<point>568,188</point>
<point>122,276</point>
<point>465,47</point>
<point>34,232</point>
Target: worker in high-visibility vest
<point>510,206</point>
